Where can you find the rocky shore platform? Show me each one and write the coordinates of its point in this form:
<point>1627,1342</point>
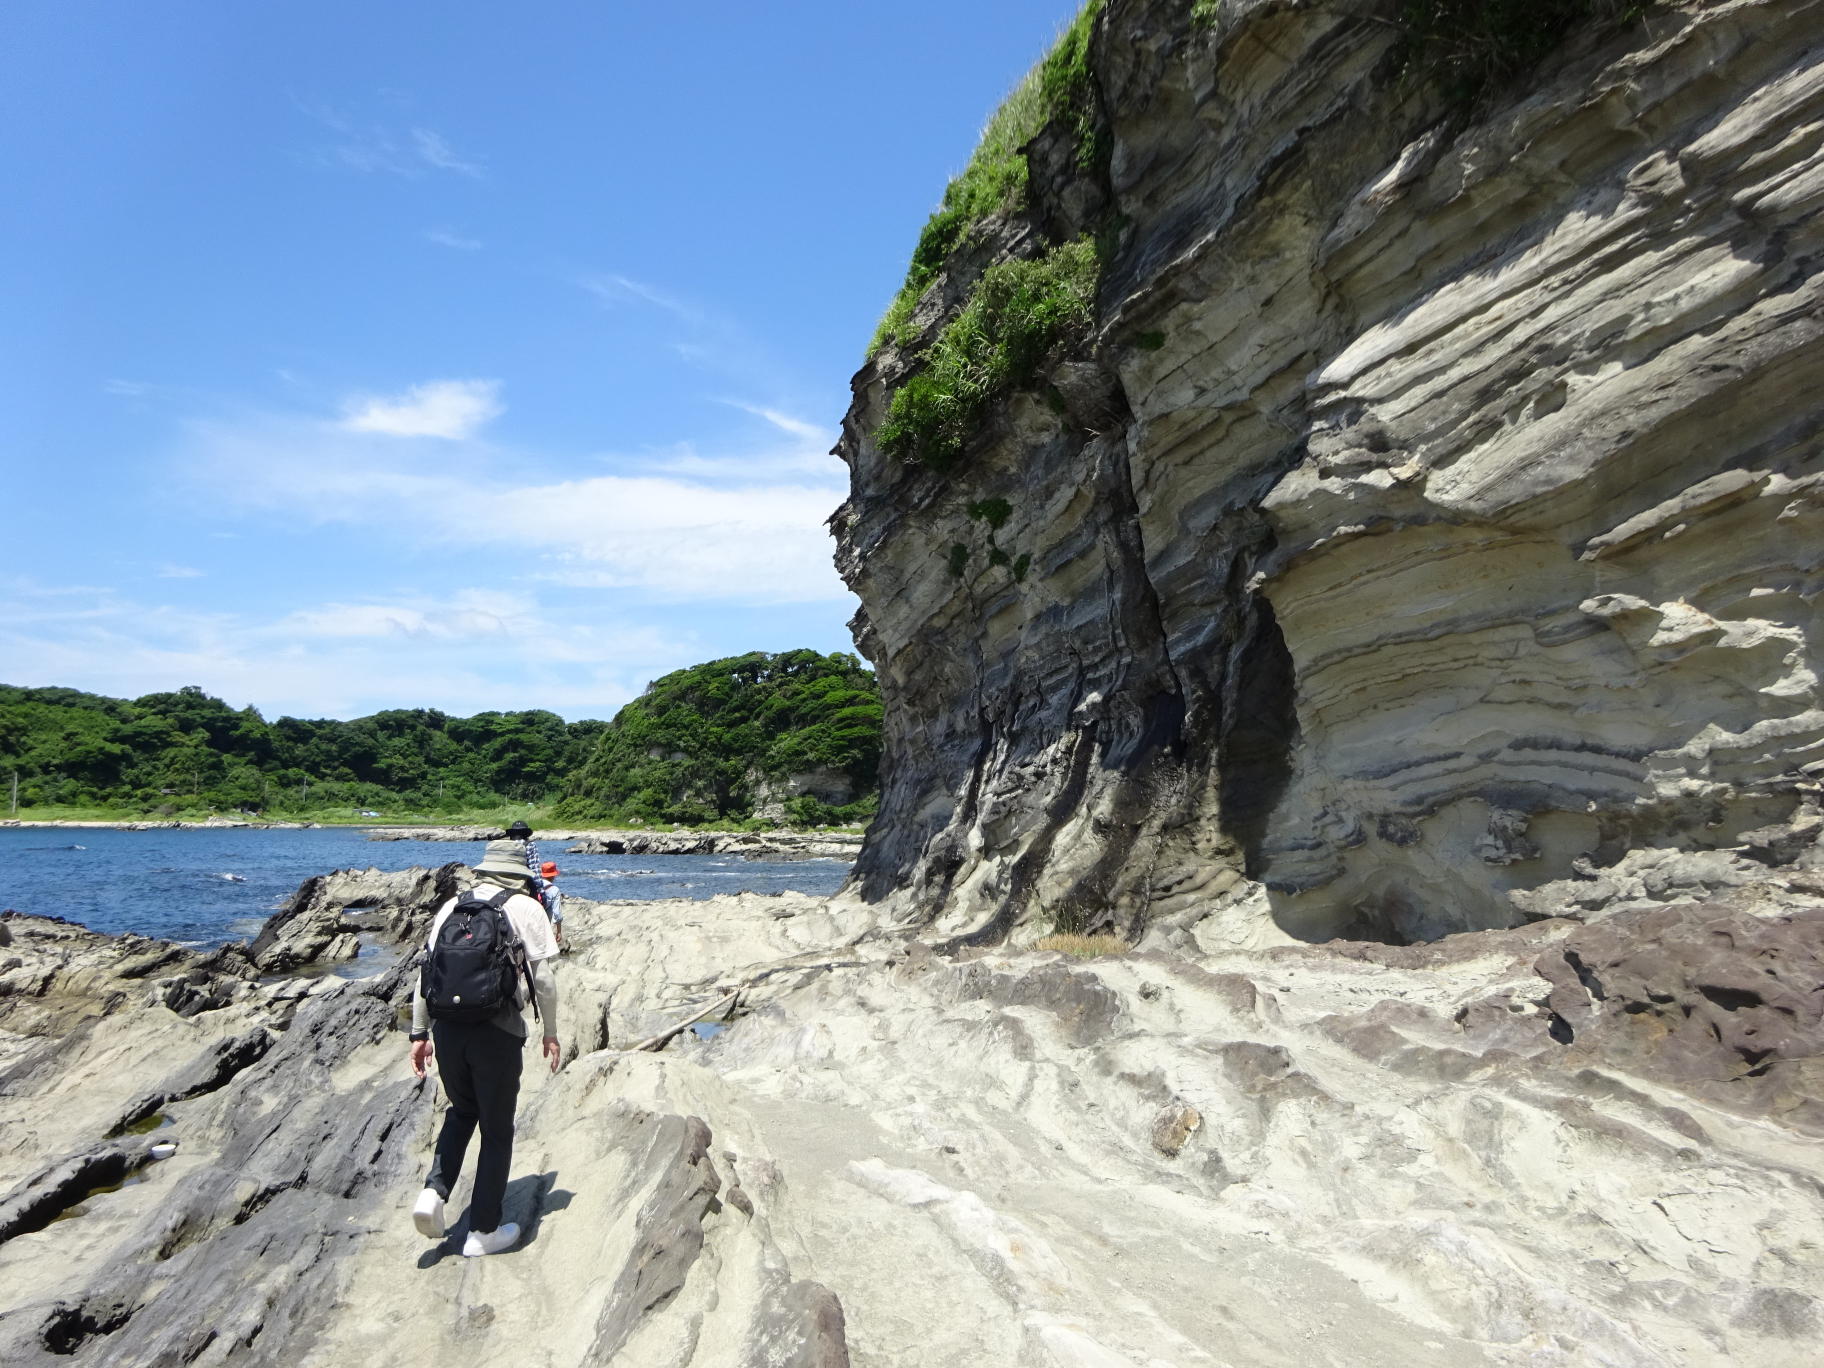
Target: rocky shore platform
<point>756,845</point>
<point>1593,1139</point>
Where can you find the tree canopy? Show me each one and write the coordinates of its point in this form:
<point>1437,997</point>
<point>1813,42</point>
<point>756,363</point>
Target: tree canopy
<point>707,743</point>
<point>693,748</point>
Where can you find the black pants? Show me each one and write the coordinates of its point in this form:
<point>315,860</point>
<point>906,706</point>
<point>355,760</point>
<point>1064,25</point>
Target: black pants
<point>479,1065</point>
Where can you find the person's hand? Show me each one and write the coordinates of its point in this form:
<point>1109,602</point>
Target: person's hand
<point>553,1052</point>
<point>421,1055</point>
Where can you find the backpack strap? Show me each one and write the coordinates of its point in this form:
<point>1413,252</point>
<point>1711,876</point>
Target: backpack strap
<point>498,903</point>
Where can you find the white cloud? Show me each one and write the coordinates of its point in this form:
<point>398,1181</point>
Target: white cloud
<point>453,409</point>
<point>444,237</point>
<point>469,615</point>
<point>127,389</point>
<point>785,422</point>
<point>487,650</point>
<point>612,289</point>
<point>169,571</point>
<point>433,150</point>
<point>370,147</point>
<point>745,525</point>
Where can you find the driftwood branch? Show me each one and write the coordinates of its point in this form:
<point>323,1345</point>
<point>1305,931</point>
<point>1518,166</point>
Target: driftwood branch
<point>657,1041</point>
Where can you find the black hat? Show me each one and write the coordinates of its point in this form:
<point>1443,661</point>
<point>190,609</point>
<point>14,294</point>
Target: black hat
<point>519,829</point>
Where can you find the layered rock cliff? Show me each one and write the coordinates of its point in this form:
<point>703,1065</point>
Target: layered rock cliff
<point>1430,509</point>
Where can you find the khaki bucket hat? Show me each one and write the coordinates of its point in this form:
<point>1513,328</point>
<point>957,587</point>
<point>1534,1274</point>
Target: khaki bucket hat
<point>504,857</point>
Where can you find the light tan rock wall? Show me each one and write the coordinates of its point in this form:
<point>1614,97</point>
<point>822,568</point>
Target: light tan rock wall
<point>1457,512</point>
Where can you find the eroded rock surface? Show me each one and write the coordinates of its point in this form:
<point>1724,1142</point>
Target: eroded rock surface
<point>323,922</point>
<point>766,845</point>
<point>753,845</point>
<point>1518,1147</point>
<point>1436,504</point>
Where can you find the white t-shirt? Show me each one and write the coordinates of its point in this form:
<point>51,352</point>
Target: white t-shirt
<point>526,915</point>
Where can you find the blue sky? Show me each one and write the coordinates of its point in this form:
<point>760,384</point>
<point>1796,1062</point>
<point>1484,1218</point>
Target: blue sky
<point>454,355</point>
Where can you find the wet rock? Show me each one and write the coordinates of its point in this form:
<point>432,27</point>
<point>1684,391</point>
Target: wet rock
<point>314,926</point>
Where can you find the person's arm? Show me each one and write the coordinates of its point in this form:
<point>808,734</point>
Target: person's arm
<point>533,928</point>
<point>544,992</point>
<point>421,1030</point>
<point>421,1013</point>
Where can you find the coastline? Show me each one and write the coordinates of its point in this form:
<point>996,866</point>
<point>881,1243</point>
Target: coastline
<point>753,845</point>
<point>153,824</point>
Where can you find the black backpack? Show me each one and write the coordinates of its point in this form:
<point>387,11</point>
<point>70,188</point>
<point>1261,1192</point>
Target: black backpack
<point>473,968</point>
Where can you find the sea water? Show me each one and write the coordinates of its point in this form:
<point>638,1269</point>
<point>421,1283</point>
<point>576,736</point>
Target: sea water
<point>211,886</point>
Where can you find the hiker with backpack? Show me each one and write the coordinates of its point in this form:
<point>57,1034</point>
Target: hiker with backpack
<point>543,887</point>
<point>486,949</point>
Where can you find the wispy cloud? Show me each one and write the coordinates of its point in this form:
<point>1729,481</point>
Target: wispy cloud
<point>451,409</point>
<point>127,389</point>
<point>785,422</point>
<point>433,150</point>
<point>744,524</point>
<point>614,290</point>
<point>697,333</point>
<point>342,659</point>
<point>443,237</point>
<point>374,147</point>
<point>169,571</point>
<point>471,614</point>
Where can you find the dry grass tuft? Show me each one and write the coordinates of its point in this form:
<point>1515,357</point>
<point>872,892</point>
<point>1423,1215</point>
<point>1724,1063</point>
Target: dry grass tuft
<point>1083,947</point>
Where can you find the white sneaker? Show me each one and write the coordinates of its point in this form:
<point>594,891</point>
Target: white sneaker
<point>428,1214</point>
<point>490,1241</point>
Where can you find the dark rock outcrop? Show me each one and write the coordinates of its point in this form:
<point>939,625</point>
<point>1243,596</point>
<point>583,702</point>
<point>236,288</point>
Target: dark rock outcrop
<point>1716,1001</point>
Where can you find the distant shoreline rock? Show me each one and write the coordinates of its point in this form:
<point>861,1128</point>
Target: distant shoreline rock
<point>209,824</point>
<point>753,845</point>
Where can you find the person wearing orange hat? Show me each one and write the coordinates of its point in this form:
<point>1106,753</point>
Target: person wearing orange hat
<point>551,898</point>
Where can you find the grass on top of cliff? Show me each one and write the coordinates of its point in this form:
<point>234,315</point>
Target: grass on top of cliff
<point>1469,47</point>
<point>994,181</point>
<point>1018,311</point>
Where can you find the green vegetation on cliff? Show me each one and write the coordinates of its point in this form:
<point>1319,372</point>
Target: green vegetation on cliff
<point>1018,310</point>
<point>708,744</point>
<point>994,181</point>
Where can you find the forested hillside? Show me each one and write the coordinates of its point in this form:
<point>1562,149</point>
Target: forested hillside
<point>795,734</point>
<point>708,730</point>
<point>188,750</point>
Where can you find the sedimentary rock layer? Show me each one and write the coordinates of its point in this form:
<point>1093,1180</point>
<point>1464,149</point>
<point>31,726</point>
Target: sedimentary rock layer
<point>1437,503</point>
<point>1485,1151</point>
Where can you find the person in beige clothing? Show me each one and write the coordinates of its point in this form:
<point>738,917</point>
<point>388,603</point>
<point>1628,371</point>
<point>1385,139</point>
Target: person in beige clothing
<point>479,1062</point>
